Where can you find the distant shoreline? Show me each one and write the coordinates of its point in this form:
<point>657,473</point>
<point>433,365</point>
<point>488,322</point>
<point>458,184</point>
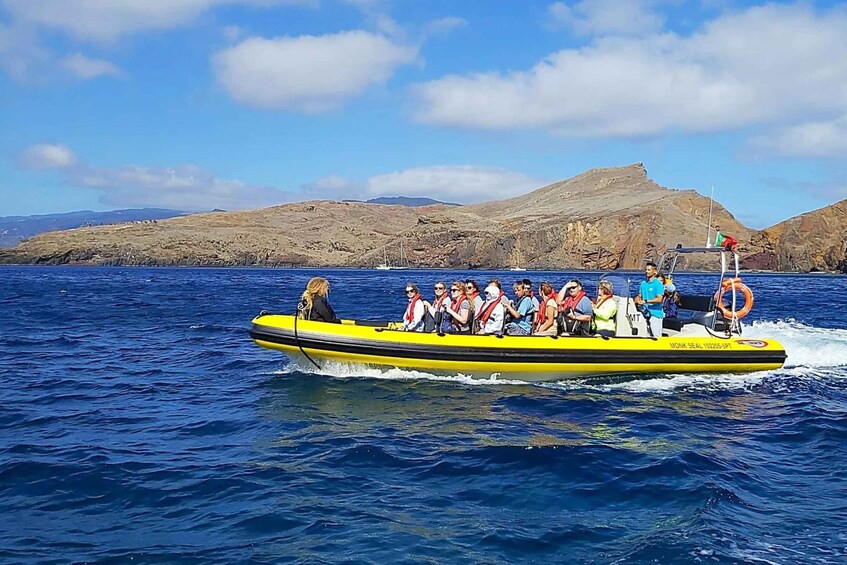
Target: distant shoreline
<point>412,269</point>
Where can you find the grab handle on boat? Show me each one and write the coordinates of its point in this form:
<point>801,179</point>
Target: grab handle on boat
<point>300,309</point>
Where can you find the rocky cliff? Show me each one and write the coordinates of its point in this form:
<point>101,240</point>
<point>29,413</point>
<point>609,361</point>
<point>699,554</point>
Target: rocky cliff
<point>602,219</point>
<point>815,241</point>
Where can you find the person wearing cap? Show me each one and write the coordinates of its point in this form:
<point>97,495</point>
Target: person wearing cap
<point>413,319</point>
<point>671,301</point>
<point>492,313</point>
<point>651,295</point>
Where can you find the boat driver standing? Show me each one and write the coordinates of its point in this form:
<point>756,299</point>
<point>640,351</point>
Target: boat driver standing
<point>651,293</point>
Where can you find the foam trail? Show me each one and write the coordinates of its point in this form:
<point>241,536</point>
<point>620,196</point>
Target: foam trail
<point>341,370</point>
<point>806,346</point>
<point>670,383</point>
<point>812,353</point>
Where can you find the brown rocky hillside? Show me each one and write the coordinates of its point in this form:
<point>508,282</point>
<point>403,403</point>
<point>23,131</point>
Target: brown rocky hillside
<point>602,219</point>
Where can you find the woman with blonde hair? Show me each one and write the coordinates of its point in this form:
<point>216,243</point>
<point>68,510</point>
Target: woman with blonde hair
<point>314,304</point>
<point>605,309</point>
<point>459,309</point>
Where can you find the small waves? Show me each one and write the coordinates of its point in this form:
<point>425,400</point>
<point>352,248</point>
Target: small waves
<point>139,423</point>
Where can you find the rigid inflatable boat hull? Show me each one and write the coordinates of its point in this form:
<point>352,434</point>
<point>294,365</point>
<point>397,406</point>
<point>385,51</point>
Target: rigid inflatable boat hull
<point>527,358</point>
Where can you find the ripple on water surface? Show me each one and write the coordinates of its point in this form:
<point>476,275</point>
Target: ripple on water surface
<point>139,423</point>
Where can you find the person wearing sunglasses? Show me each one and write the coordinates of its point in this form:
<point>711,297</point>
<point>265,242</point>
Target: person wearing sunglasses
<point>577,310</point>
<point>472,291</point>
<point>413,319</point>
<point>437,307</point>
<point>527,285</point>
<point>458,310</point>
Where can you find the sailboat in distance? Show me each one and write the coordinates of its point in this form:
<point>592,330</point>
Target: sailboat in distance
<point>386,266</point>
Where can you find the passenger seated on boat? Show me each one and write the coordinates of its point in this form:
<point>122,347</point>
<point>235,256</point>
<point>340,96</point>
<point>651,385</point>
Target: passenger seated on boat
<point>545,320</point>
<point>520,312</point>
<point>413,319</point>
<point>605,310</point>
<point>527,284</point>
<point>489,319</point>
<point>436,308</point>
<point>671,301</point>
<point>314,303</point>
<point>472,291</point>
<point>458,310</point>
<point>577,310</point>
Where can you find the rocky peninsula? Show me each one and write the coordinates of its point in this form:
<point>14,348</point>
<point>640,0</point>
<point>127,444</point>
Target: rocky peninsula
<point>603,219</point>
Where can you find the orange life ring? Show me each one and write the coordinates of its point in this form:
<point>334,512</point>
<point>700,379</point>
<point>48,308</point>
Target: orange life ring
<point>738,286</point>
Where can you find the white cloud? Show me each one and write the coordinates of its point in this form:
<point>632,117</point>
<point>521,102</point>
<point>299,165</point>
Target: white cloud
<point>107,20</point>
<point>308,73</point>
<point>812,139</point>
<point>185,187</point>
<point>231,33</point>
<point>828,189</point>
<point>20,52</point>
<point>444,25</point>
<point>45,156</point>
<point>87,68</point>
<point>464,184</point>
<point>366,5</point>
<point>598,17</point>
<point>764,65</point>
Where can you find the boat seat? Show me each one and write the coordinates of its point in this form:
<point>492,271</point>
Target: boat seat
<point>674,324</point>
<point>699,303</point>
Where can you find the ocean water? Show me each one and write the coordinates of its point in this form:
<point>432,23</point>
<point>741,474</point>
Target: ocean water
<point>139,424</point>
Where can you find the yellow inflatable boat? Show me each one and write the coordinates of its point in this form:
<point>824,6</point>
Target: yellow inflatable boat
<point>707,337</point>
<point>528,358</point>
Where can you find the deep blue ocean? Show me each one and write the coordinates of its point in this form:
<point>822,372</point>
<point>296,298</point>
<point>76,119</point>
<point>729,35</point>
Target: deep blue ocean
<point>140,424</point>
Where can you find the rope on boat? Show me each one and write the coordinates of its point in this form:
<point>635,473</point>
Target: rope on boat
<point>301,306</point>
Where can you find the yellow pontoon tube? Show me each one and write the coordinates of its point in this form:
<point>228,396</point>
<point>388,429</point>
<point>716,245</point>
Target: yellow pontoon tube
<point>528,358</point>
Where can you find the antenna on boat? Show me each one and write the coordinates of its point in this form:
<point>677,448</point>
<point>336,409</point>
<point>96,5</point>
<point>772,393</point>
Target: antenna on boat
<point>709,226</point>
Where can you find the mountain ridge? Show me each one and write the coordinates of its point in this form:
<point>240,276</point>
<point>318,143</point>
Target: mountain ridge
<point>13,229</point>
<point>603,219</point>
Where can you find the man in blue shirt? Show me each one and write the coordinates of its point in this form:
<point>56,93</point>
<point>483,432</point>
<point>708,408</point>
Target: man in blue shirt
<point>521,312</point>
<point>651,293</point>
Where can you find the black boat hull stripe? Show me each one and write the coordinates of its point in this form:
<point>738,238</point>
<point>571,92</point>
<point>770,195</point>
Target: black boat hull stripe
<point>341,344</point>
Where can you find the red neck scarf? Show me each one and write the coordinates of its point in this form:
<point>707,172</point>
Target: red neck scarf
<point>410,310</point>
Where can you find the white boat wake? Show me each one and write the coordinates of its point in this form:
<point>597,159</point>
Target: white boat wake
<point>812,353</point>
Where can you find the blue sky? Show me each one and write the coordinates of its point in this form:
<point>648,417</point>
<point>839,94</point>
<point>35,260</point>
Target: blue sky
<point>236,104</point>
